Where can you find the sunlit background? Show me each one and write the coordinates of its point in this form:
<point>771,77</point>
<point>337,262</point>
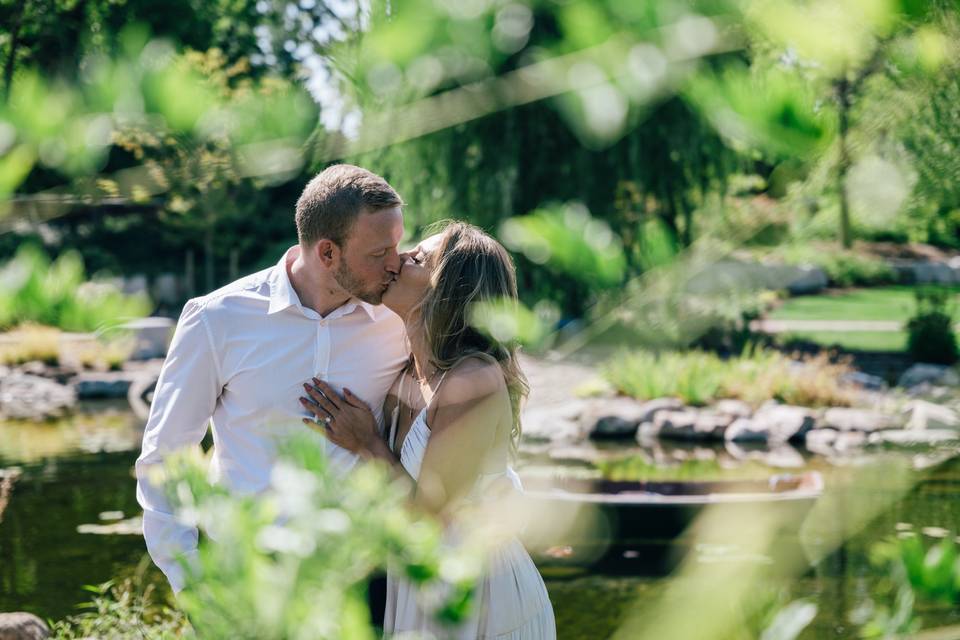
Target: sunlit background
<point>736,226</point>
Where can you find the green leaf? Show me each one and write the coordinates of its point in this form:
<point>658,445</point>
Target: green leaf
<point>790,621</point>
<point>569,240</point>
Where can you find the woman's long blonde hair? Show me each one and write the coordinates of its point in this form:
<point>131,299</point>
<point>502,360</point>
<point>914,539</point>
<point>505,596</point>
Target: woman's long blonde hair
<point>469,268</point>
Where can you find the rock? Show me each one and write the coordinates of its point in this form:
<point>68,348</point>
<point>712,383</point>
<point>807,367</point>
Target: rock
<point>784,423</point>
<point>29,397</point>
<point>864,380</point>
<point>619,418</point>
<point>151,337</point>
<point>734,408</point>
<point>929,415</point>
<point>689,424</point>
<point>934,374</point>
<point>807,279</point>
<point>912,437</point>
<point>846,419</point>
<point>745,430</point>
<point>832,443</point>
<point>556,423</point>
<point>166,289</point>
<point>821,441</point>
<point>22,626</point>
<point>95,385</point>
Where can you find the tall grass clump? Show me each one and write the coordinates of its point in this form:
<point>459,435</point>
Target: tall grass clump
<point>757,375</point>
<point>126,610</point>
<point>57,294</point>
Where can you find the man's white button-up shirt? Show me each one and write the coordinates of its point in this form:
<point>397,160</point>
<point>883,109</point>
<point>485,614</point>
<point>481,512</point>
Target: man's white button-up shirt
<point>238,361</point>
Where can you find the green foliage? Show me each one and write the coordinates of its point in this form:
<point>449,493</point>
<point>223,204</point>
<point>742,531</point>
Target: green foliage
<point>699,378</point>
<point>774,111</point>
<point>930,334</point>
<point>930,135</point>
<point>124,611</point>
<point>513,322</point>
<point>568,239</point>
<point>920,574</point>
<point>312,537</point>
<point>57,294</point>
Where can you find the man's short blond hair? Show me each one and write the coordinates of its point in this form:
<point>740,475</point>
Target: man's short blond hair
<point>332,201</point>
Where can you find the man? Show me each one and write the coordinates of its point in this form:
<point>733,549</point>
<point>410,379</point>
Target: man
<point>240,355</point>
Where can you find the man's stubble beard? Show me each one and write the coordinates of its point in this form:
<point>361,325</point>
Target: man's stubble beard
<point>350,283</point>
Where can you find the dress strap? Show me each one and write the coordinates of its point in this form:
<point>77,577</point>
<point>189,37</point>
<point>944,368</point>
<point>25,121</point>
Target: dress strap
<point>395,416</point>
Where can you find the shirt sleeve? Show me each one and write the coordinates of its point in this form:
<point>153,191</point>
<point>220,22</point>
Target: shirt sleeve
<point>183,402</point>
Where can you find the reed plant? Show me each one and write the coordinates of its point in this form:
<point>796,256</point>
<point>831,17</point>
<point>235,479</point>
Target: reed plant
<point>755,376</point>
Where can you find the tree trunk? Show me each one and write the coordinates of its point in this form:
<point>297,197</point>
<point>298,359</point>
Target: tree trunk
<point>10,63</point>
<point>843,164</point>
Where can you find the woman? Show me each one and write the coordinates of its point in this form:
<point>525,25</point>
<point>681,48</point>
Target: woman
<point>454,422</point>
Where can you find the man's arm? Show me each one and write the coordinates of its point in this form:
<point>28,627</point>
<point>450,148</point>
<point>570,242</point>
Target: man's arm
<point>183,402</point>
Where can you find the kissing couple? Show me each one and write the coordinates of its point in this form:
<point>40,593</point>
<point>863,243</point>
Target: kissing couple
<point>373,348</point>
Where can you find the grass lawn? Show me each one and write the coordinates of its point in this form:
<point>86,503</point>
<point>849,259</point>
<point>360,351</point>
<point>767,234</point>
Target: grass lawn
<point>880,303</point>
<point>854,340</point>
<point>894,304</point>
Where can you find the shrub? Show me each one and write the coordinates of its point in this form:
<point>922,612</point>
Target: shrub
<point>293,562</point>
<point>123,611</point>
<point>930,335</point>
<point>35,290</point>
<point>756,376</point>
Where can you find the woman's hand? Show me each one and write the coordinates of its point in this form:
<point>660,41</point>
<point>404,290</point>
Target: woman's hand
<point>345,420</point>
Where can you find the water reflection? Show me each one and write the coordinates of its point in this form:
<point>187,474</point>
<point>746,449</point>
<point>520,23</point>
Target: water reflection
<point>70,472</point>
<point>74,473</point>
<point>101,426</point>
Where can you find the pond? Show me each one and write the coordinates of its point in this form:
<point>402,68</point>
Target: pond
<point>76,482</point>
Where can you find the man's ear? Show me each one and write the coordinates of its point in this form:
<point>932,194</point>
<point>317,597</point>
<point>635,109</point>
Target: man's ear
<point>329,253</point>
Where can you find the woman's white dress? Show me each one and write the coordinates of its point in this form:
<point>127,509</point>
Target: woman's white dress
<point>510,601</point>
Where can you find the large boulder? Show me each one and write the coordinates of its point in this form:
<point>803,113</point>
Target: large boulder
<point>555,423</point>
<point>690,424</point>
<point>620,417</point>
<point>864,381</point>
<point>746,430</point>
<point>847,419</point>
<point>22,626</point>
<point>734,408</point>
<point>29,397</point>
<point>806,279</point>
<point>94,385</point>
<point>921,415</point>
<point>151,337</point>
<point>784,423</point>
<point>934,374</point>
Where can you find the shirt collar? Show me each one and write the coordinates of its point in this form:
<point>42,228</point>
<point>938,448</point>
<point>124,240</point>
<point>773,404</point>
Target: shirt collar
<point>283,295</point>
